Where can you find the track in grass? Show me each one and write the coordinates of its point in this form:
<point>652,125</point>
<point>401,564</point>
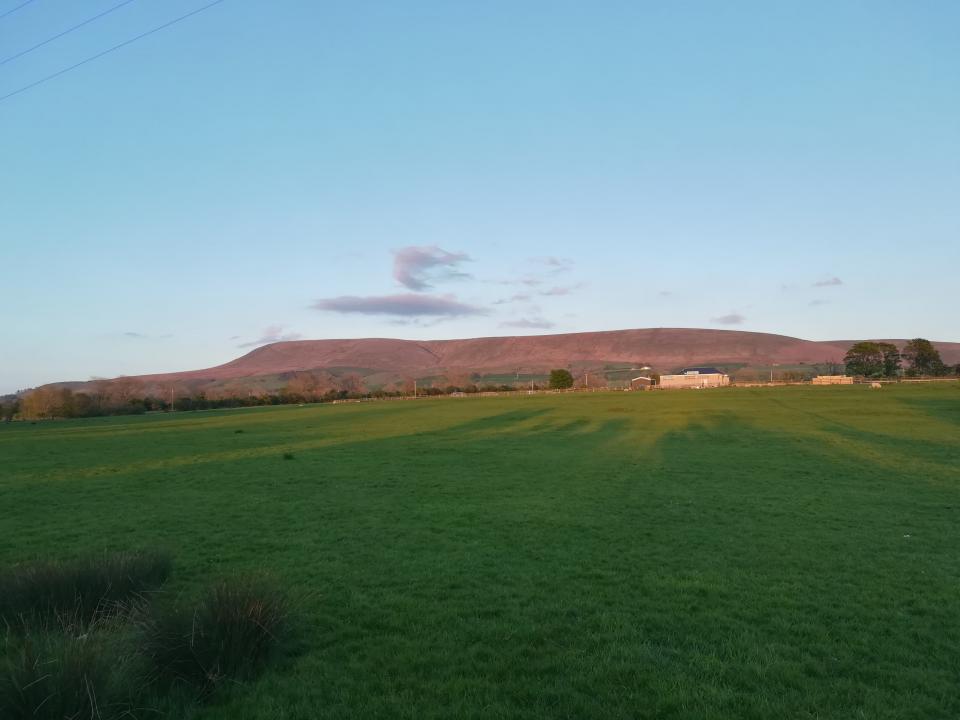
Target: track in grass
<point>790,552</point>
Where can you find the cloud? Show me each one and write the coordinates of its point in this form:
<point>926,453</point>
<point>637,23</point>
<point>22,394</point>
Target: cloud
<point>403,305</point>
<point>272,334</point>
<point>556,264</point>
<point>415,267</point>
<point>562,290</point>
<point>665,293</point>
<point>731,319</point>
<point>536,322</point>
<point>520,297</point>
<point>829,282</point>
<point>134,335</point>
<point>815,303</point>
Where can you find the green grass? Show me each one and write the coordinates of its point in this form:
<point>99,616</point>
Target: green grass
<point>739,553</point>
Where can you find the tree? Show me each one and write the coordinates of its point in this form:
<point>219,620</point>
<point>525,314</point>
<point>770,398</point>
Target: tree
<point>351,384</point>
<point>891,359</point>
<point>9,408</point>
<point>560,379</point>
<point>47,402</point>
<point>459,380</point>
<point>307,385</point>
<point>125,389</point>
<point>865,358</point>
<point>592,380</point>
<point>923,358</point>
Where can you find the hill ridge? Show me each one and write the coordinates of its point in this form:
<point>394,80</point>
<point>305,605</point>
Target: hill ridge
<point>662,348</point>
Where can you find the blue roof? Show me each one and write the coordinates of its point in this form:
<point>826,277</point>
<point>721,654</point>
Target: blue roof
<point>701,371</point>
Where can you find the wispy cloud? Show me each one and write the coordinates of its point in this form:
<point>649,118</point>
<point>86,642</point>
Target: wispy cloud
<point>829,282</point>
<point>816,303</point>
<point>134,335</point>
<point>520,297</point>
<point>665,293</point>
<point>731,319</point>
<point>271,334</point>
<point>528,323</point>
<point>554,263</point>
<point>549,267</point>
<point>416,267</point>
<point>562,290</point>
<point>403,305</point>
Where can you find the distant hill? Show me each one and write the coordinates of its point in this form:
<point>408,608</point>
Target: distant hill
<point>665,349</point>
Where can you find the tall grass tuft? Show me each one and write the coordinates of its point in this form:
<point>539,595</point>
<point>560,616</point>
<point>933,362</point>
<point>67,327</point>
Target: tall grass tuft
<point>52,675</point>
<point>229,635</point>
<point>78,592</point>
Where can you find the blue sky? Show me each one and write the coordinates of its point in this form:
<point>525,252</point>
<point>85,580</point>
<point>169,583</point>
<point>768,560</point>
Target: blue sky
<point>442,169</point>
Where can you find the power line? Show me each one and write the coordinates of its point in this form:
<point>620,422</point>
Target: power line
<point>11,12</point>
<point>65,32</point>
<point>99,55</point>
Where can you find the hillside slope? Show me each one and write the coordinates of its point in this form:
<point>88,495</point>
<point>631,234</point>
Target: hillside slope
<point>662,348</point>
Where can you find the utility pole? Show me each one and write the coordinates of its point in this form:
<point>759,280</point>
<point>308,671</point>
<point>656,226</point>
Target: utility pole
<point>414,387</point>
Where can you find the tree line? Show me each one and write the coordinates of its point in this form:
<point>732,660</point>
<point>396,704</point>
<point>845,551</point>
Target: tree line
<point>129,396</point>
<point>918,358</point>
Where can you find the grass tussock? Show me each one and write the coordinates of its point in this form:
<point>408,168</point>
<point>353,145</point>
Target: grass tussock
<point>230,635</point>
<point>78,592</point>
<point>85,639</point>
<point>54,675</point>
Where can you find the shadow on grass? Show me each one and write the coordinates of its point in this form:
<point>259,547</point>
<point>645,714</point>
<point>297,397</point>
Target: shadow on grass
<point>941,408</point>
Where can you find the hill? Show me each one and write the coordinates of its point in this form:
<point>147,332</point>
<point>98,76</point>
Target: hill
<point>664,349</point>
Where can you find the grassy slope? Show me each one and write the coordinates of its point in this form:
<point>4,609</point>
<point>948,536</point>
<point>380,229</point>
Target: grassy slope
<point>728,553</point>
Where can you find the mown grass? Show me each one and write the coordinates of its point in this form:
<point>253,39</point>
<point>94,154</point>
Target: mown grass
<point>751,553</point>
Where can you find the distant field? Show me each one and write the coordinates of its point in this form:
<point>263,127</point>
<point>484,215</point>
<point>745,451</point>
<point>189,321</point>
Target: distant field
<point>740,553</point>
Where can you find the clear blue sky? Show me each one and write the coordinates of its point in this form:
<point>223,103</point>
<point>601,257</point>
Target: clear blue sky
<point>452,169</point>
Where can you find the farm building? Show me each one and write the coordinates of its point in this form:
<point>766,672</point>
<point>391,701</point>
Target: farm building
<point>695,377</point>
<point>832,380</point>
<point>641,383</point>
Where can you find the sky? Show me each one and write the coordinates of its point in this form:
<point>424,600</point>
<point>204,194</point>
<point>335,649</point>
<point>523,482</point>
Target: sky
<point>264,171</point>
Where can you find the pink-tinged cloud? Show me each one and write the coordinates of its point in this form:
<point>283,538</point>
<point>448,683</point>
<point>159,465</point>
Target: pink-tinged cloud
<point>416,267</point>
<point>404,305</point>
<point>272,334</point>
<point>731,319</point>
<point>829,282</point>
<point>529,323</point>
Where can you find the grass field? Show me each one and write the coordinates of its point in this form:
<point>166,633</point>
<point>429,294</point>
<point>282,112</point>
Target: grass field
<point>740,553</point>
